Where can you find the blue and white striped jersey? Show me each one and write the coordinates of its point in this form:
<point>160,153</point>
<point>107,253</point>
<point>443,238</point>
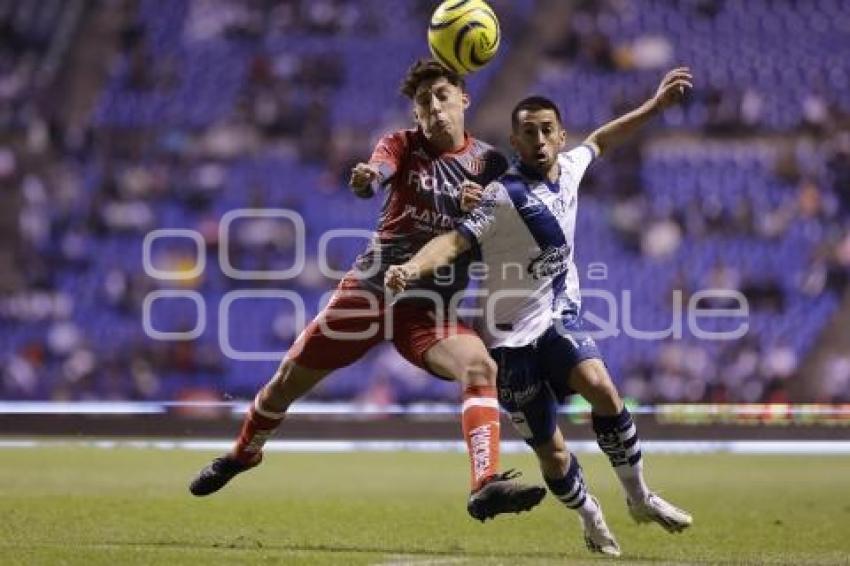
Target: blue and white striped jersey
<point>524,229</point>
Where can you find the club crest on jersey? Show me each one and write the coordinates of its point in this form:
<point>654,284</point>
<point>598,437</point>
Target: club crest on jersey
<point>559,207</point>
<point>475,167</point>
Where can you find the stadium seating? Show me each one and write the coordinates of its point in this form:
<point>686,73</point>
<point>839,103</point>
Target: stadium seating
<point>757,48</point>
<point>199,81</point>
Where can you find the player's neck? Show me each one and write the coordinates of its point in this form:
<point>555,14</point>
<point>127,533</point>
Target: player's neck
<point>448,144</point>
<point>458,141</point>
<point>550,175</point>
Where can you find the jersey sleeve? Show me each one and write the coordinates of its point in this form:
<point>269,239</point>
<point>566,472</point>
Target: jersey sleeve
<point>479,223</point>
<point>388,155</point>
<point>495,165</point>
<point>578,159</point>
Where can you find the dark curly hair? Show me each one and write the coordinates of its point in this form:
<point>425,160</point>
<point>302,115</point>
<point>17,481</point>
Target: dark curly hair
<point>428,70</point>
<point>534,103</point>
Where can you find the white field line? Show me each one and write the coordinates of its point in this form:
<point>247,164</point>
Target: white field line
<point>788,447</point>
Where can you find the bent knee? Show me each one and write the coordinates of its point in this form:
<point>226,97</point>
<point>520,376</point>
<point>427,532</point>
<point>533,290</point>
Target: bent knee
<point>594,384</point>
<point>593,376</point>
<point>479,371</point>
<point>599,382</point>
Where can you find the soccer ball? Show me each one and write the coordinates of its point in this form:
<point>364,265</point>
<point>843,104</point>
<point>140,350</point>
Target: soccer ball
<point>463,35</point>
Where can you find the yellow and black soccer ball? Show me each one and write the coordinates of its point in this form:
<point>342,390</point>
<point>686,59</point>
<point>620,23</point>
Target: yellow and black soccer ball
<point>463,34</point>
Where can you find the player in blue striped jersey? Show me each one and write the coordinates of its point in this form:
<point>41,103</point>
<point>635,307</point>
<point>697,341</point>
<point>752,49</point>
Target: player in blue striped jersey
<point>524,230</point>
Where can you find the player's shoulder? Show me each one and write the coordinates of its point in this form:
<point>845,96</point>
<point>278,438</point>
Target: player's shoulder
<point>511,186</point>
<point>481,149</point>
<point>484,162</point>
<point>496,192</point>
<point>478,144</point>
<point>513,179</point>
<point>580,155</point>
<point>399,138</point>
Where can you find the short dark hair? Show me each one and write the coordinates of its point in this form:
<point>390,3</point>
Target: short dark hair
<point>425,70</point>
<point>533,103</point>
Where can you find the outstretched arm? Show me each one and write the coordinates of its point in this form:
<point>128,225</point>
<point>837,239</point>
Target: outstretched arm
<point>670,91</point>
<point>443,249</point>
<point>440,251</point>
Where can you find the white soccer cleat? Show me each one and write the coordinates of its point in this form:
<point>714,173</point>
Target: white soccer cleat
<point>597,535</point>
<point>655,509</point>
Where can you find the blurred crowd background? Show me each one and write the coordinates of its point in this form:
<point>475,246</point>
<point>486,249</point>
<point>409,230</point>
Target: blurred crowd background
<point>118,117</point>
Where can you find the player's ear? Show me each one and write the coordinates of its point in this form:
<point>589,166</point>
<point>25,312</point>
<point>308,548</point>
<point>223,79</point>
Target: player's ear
<point>562,137</point>
<point>514,142</point>
<point>464,99</point>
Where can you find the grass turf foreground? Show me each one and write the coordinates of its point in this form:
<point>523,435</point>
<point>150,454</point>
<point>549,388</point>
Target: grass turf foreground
<point>76,505</point>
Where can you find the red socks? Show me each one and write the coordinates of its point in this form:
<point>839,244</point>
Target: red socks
<point>480,419</point>
<point>257,427</point>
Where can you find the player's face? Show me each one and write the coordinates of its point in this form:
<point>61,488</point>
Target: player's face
<point>538,138</point>
<point>438,107</point>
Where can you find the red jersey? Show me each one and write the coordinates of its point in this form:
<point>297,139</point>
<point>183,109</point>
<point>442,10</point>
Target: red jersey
<point>423,200</point>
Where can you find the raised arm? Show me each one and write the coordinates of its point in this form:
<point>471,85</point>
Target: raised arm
<point>386,159</point>
<point>440,251</point>
<point>670,91</point>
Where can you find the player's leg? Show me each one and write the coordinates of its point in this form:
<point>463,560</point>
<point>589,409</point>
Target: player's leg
<point>563,474</point>
<point>453,351</point>
<point>618,438</point>
<point>464,358</point>
<point>263,417</point>
<point>615,430</point>
<point>573,364</point>
<point>533,410</point>
<point>567,346</point>
<point>333,340</point>
<point>289,383</point>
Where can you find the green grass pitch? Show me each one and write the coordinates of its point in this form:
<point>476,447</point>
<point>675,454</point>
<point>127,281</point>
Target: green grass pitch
<point>77,505</point>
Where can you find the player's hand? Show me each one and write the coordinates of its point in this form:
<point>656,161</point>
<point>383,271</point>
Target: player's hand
<point>470,195</point>
<point>673,87</point>
<point>362,177</point>
<point>397,277</point>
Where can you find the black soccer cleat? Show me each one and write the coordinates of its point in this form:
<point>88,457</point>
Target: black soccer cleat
<point>216,475</point>
<point>501,495</point>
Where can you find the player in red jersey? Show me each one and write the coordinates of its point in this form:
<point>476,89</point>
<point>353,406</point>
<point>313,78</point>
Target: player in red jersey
<point>424,171</point>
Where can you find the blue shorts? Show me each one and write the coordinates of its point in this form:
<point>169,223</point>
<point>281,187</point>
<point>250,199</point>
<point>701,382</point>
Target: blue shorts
<point>532,380</point>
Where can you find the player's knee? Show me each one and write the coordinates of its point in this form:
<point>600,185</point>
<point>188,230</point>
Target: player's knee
<point>598,382</point>
<point>601,391</point>
<point>479,371</point>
